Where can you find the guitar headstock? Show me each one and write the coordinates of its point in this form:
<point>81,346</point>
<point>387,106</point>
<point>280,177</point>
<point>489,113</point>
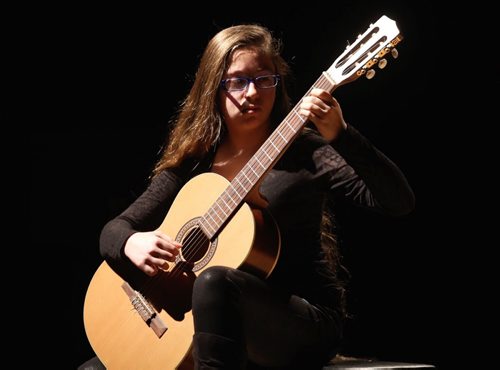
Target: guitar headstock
<point>367,51</point>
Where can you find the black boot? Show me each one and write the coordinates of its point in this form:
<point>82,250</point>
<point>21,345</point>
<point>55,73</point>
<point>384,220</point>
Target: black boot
<point>211,351</point>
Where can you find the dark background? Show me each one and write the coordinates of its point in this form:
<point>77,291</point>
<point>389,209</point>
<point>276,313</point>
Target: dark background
<point>133,67</point>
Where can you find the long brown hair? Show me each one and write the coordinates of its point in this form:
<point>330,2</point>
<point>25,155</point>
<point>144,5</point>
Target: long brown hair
<point>199,124</point>
<point>332,253</point>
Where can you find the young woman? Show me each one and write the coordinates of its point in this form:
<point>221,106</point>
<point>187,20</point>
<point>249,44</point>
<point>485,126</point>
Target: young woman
<point>293,318</point>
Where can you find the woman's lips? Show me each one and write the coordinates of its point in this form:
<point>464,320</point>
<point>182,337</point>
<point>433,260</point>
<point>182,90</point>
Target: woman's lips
<point>250,109</point>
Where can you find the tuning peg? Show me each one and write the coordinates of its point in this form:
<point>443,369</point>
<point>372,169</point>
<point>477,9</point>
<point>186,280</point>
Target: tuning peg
<point>370,74</point>
<point>394,53</point>
<point>382,63</point>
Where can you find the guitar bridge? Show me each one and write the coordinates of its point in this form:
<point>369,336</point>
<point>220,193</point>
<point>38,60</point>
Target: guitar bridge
<point>145,310</point>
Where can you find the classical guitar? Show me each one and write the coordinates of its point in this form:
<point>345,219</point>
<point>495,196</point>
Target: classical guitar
<point>150,325</point>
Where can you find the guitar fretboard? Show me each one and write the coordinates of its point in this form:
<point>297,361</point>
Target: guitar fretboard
<point>260,163</point>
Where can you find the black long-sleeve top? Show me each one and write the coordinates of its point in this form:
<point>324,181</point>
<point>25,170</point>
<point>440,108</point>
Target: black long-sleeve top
<point>296,188</point>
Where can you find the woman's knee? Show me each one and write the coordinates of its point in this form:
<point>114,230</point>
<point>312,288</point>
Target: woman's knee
<point>215,303</point>
<point>210,279</point>
<point>211,287</point>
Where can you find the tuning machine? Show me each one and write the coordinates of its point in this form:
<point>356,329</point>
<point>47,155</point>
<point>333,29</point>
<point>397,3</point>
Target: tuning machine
<point>370,74</point>
<point>382,63</point>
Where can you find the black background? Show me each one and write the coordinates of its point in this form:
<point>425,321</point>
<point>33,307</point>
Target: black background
<point>132,68</point>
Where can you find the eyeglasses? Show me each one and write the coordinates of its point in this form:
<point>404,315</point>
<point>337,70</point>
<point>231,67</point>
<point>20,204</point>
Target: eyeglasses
<point>241,83</point>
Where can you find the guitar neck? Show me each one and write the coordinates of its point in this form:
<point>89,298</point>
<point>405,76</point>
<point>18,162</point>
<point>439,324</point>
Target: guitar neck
<point>260,163</point>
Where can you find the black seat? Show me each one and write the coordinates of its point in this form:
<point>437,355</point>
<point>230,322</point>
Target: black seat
<point>342,362</point>
<point>338,363</point>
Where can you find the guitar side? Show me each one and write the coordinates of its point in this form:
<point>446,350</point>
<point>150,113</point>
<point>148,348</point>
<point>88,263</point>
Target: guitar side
<point>117,333</point>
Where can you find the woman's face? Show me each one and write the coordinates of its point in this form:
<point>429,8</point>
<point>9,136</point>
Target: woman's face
<point>250,108</point>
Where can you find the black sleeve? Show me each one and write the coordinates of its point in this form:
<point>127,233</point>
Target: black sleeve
<point>145,214</point>
<point>364,175</point>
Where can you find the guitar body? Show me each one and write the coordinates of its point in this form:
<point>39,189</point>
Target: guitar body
<point>120,337</point>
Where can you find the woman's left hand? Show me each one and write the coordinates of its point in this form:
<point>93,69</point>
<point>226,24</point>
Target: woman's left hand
<point>322,109</point>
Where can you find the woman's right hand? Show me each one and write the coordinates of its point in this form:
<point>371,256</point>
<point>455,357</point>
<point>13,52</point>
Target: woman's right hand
<point>150,251</point>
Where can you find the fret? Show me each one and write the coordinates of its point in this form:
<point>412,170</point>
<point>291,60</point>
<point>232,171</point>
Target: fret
<point>203,227</point>
<point>297,114</point>
<point>206,222</point>
<point>271,142</point>
<point>284,139</point>
<point>267,155</point>
<point>293,129</point>
<point>259,162</point>
<point>212,210</point>
<point>249,180</point>
<point>230,196</point>
<point>218,205</point>
<point>209,215</point>
<point>222,198</point>
<point>256,174</point>
<point>226,208</point>
<point>239,182</point>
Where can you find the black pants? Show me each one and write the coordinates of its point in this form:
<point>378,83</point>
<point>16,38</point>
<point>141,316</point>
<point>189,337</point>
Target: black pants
<point>240,320</point>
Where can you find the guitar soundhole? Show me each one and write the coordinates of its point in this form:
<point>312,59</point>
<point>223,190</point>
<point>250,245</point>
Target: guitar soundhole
<point>195,246</point>
<point>197,250</point>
